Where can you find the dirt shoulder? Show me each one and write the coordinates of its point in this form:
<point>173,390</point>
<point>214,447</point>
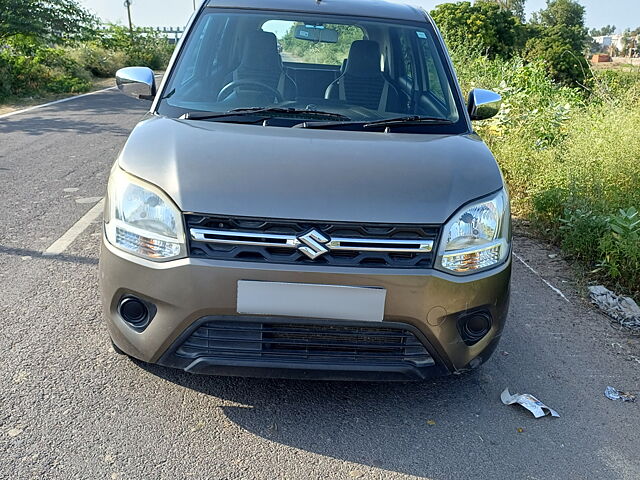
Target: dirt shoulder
<point>565,279</point>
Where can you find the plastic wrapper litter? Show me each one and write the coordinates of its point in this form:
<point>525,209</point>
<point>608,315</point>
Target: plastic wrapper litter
<point>529,402</point>
<point>614,394</point>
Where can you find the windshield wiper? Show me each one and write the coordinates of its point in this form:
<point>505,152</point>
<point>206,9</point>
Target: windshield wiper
<point>410,120</point>
<point>387,122</point>
<point>265,111</point>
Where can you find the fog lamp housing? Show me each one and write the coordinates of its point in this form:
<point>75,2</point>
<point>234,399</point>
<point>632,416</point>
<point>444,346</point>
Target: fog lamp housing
<point>473,327</point>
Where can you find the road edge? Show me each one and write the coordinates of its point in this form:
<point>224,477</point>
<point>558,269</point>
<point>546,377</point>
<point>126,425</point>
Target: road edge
<point>55,102</point>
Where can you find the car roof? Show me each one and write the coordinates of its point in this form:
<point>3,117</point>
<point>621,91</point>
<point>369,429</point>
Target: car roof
<point>361,8</point>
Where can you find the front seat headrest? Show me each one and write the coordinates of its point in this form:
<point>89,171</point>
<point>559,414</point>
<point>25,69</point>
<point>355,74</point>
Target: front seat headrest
<point>364,59</point>
<point>261,51</point>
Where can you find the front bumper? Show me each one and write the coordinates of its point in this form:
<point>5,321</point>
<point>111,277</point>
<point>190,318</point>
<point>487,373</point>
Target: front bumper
<point>186,293</point>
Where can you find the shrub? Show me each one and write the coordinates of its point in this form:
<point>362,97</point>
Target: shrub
<point>561,49</point>
<point>620,248</point>
<point>29,67</point>
<point>60,62</point>
<point>571,157</point>
<point>580,232</point>
<point>613,86</point>
<point>48,71</point>
<point>484,25</point>
<point>97,60</point>
<point>145,47</point>
<point>24,76</point>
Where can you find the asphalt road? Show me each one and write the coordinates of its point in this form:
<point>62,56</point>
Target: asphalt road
<point>71,408</point>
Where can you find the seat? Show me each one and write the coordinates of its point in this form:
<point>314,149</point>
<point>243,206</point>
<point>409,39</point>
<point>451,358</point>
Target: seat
<point>262,63</point>
<point>362,82</point>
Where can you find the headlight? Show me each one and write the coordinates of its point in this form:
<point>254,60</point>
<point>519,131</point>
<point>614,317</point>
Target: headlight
<point>141,219</point>
<point>477,237</point>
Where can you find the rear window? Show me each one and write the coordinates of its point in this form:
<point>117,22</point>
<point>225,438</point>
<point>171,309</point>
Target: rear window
<point>294,50</point>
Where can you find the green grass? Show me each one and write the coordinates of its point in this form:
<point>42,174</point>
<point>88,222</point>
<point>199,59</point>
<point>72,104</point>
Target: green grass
<point>571,158</point>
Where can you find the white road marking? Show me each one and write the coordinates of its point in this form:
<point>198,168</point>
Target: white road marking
<point>546,282</point>
<point>60,245</point>
<point>68,99</point>
<point>88,200</point>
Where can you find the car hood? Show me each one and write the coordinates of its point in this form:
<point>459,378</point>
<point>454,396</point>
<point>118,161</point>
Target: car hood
<point>310,174</point>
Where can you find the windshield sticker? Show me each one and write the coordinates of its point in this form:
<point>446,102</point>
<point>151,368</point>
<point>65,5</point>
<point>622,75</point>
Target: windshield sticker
<point>421,35</point>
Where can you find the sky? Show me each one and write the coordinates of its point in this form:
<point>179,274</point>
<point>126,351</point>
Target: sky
<point>173,13</point>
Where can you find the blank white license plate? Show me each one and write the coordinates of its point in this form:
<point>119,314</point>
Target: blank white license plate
<point>311,301</point>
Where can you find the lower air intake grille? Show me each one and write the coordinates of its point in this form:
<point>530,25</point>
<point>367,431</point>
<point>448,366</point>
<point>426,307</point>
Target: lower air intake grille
<point>329,344</point>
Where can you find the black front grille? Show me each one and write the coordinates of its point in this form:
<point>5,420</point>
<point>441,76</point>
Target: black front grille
<point>252,253</point>
<point>305,343</point>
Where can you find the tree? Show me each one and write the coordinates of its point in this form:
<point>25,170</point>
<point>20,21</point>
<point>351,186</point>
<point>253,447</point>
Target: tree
<point>603,32</point>
<point>44,19</point>
<point>485,26</point>
<point>559,38</point>
<point>516,7</point>
<point>560,13</point>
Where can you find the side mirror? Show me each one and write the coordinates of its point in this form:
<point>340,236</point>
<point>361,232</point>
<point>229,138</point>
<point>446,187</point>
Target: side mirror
<point>137,82</point>
<point>483,104</point>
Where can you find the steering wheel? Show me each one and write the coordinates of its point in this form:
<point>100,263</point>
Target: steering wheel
<point>229,87</point>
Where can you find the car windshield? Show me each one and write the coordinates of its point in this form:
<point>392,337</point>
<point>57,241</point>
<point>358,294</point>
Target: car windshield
<point>296,66</point>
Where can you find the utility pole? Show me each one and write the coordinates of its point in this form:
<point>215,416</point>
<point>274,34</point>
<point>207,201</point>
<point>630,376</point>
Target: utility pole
<point>194,5</point>
<point>127,3</point>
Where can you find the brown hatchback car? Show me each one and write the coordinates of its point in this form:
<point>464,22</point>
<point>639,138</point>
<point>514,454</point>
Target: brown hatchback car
<point>307,198</point>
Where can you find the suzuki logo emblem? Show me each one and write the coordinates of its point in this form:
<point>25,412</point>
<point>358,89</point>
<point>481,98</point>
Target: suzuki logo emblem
<point>313,244</point>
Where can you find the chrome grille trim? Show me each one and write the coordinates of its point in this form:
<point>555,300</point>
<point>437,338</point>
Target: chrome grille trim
<point>244,238</point>
<point>291,241</point>
<point>369,245</point>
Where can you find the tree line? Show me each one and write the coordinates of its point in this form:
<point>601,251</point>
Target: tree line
<point>51,20</point>
<point>555,35</point>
